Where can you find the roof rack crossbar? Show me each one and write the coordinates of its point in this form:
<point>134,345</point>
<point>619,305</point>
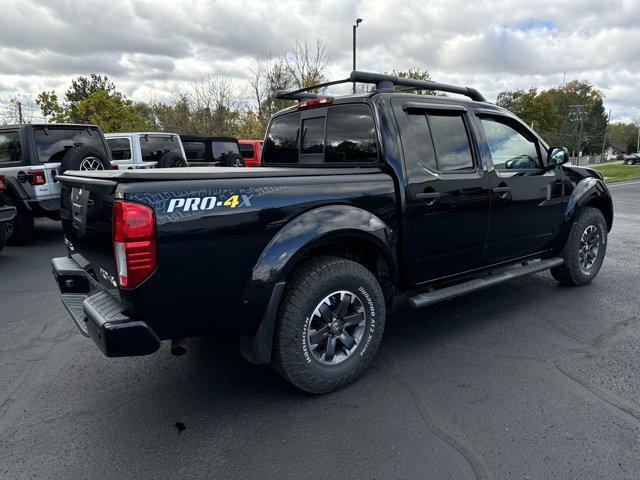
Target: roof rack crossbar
<point>382,82</point>
<point>303,94</point>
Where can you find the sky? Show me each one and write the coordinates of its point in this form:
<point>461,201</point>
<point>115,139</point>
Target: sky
<point>154,49</point>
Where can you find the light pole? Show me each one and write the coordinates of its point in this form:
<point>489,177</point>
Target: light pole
<point>358,22</point>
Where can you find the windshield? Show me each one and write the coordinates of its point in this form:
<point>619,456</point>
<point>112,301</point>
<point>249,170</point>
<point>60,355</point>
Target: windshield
<point>222,149</point>
<point>52,143</point>
<point>153,147</point>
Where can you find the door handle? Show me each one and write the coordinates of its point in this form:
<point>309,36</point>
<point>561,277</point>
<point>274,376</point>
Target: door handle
<point>429,197</point>
<point>502,192</point>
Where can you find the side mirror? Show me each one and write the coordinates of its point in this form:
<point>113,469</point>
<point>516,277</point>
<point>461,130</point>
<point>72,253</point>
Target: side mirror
<point>557,156</point>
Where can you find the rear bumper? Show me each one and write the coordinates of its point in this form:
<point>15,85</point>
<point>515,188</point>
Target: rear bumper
<point>7,214</point>
<point>100,316</point>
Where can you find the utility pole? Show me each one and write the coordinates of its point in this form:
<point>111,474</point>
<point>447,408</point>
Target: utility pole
<point>604,140</point>
<point>577,114</point>
<point>638,144</point>
<point>20,112</point>
<point>358,22</point>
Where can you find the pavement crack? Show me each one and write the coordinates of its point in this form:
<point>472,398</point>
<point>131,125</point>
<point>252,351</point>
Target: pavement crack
<point>618,404</point>
<point>473,460</point>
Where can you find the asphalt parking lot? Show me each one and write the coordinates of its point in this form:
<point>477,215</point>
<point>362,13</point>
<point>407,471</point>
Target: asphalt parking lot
<point>525,380</point>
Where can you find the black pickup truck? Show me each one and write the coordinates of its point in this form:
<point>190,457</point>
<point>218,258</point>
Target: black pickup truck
<point>364,200</point>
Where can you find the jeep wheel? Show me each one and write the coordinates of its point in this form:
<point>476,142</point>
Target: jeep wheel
<point>329,325</point>
<point>20,229</point>
<point>83,158</point>
<point>171,160</point>
<point>585,249</point>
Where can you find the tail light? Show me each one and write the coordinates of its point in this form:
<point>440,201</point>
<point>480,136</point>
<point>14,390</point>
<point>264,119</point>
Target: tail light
<point>3,183</point>
<point>36,177</point>
<point>134,242</point>
<point>114,166</point>
<point>314,102</point>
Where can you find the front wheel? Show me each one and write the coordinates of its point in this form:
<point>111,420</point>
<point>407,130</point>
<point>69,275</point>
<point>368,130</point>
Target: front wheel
<point>329,325</point>
<point>585,249</point>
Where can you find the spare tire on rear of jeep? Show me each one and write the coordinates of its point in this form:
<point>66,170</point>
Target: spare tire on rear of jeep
<point>171,160</point>
<point>83,158</point>
<point>234,160</point>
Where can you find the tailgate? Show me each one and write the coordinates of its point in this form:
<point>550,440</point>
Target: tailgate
<point>86,207</point>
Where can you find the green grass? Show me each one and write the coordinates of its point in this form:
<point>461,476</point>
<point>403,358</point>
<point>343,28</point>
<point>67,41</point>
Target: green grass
<point>613,173</point>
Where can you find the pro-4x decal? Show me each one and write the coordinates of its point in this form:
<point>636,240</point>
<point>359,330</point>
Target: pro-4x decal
<point>177,205</point>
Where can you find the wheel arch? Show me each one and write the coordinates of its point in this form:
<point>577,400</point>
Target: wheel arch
<point>590,192</point>
<point>339,230</point>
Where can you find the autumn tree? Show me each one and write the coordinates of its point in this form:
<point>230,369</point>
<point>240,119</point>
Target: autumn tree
<point>94,100</point>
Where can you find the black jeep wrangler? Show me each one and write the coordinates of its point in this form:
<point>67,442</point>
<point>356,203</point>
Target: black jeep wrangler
<point>362,200</point>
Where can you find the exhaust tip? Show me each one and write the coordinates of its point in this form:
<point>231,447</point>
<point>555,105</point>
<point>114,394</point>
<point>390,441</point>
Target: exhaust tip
<point>178,347</point>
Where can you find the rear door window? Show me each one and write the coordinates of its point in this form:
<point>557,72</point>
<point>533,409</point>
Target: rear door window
<point>10,149</point>
<point>153,147</point>
<point>451,142</point>
<point>52,143</point>
<point>120,148</point>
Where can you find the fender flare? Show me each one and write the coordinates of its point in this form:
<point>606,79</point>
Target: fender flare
<point>589,190</point>
<point>289,246</point>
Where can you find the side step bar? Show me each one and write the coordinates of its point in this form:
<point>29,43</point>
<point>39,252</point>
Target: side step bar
<point>447,293</point>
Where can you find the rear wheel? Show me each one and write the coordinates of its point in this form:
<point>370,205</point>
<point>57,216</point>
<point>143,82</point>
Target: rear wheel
<point>585,249</point>
<point>20,229</point>
<point>329,326</point>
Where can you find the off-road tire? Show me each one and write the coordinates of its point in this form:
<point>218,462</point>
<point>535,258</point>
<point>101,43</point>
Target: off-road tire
<point>234,160</point>
<point>83,158</point>
<point>171,160</point>
<point>571,273</point>
<point>309,286</point>
<point>20,229</point>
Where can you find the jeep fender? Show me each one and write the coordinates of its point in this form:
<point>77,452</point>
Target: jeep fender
<point>290,246</point>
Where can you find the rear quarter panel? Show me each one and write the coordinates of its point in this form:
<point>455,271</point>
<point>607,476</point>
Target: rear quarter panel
<point>206,257</point>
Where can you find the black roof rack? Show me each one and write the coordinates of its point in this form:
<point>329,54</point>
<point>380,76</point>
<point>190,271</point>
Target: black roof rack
<point>382,82</point>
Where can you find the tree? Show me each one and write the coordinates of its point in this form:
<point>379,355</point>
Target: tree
<point>113,113</point>
<point>624,133</point>
<point>548,111</point>
<point>95,100</point>
<point>305,64</point>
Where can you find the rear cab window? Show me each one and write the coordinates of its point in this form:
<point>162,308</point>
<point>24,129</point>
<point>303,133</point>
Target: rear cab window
<point>52,142</point>
<point>334,135</point>
<point>10,148</point>
<point>120,148</point>
<point>152,147</point>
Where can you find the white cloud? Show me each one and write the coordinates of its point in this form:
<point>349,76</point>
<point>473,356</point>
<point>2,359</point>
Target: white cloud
<point>152,49</point>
